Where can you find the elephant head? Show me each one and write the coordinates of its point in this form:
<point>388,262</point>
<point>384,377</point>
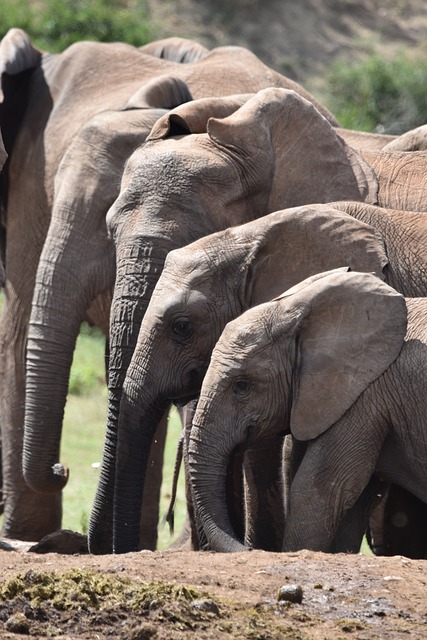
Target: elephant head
<point>213,280</point>
<point>293,365</point>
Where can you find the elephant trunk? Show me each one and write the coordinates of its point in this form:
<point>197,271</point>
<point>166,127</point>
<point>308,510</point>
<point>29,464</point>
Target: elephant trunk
<point>139,265</point>
<point>140,414</point>
<point>50,346</point>
<point>208,462</point>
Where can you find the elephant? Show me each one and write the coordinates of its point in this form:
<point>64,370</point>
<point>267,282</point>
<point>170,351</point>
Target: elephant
<point>209,282</point>
<point>338,361</point>
<point>48,101</point>
<point>199,180</point>
<point>275,151</point>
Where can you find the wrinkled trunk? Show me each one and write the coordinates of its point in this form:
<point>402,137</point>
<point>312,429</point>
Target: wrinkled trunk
<point>51,343</point>
<point>139,265</point>
<point>66,283</point>
<point>139,417</point>
<point>208,462</point>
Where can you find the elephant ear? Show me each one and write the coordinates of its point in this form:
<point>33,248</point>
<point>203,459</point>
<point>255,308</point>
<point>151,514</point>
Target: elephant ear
<point>175,49</point>
<point>352,328</point>
<point>164,92</point>
<point>193,116</point>
<point>17,53</point>
<point>18,59</point>
<point>413,140</point>
<point>311,162</point>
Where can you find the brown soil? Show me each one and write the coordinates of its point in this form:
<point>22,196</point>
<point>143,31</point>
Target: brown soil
<point>179,594</point>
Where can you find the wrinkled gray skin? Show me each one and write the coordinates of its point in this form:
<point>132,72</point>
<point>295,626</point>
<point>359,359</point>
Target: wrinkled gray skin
<point>211,281</point>
<point>271,153</point>
<point>50,103</point>
<point>295,365</point>
<point>48,124</point>
<point>244,166</point>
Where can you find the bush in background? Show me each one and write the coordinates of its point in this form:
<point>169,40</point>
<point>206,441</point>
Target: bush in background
<point>378,94</point>
<point>54,24</point>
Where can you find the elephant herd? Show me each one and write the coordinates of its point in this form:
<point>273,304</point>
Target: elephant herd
<point>248,260</point>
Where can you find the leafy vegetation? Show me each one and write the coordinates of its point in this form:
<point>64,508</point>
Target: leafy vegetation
<point>378,94</point>
<point>53,24</point>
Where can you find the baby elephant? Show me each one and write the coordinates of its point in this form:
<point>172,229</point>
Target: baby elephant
<point>339,361</point>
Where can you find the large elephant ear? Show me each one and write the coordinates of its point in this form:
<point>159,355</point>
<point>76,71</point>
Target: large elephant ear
<point>352,328</point>
<point>193,117</point>
<point>311,162</point>
<point>164,92</point>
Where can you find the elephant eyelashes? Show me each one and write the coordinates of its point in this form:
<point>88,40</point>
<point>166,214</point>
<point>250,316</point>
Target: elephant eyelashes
<point>182,329</point>
<point>241,387</point>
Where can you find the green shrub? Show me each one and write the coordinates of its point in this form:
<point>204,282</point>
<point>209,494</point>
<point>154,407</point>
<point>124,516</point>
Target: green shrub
<point>53,24</point>
<point>378,94</point>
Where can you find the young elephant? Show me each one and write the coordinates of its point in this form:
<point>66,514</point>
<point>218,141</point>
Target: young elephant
<point>211,281</point>
<point>340,362</point>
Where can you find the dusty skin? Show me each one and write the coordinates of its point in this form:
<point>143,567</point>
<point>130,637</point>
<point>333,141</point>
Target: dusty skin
<point>184,594</point>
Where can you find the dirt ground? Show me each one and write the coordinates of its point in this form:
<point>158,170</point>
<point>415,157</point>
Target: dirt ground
<point>204,595</point>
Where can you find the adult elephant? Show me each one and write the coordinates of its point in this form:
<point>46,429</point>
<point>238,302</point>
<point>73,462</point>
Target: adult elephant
<point>294,365</point>
<point>238,169</point>
<point>47,102</point>
<point>211,281</point>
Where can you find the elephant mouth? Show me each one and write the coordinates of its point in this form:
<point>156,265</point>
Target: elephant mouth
<point>191,387</point>
<point>181,401</point>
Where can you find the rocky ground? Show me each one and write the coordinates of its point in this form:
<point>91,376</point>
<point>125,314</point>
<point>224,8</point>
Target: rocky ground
<point>179,594</point>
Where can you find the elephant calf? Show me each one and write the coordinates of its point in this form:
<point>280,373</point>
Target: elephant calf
<point>340,362</point>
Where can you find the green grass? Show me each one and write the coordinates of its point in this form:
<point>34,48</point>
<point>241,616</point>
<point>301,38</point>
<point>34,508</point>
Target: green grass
<point>54,24</point>
<point>378,94</point>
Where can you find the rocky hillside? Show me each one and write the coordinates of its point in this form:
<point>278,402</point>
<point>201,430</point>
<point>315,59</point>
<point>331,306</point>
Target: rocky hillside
<point>299,38</point>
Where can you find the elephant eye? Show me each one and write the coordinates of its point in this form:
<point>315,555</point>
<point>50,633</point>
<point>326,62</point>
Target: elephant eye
<point>182,328</point>
<point>241,386</point>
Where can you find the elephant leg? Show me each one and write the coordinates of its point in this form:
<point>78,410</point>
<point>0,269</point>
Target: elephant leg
<point>27,515</point>
<point>264,508</point>
<point>349,535</point>
<point>333,474</point>
<point>398,525</point>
